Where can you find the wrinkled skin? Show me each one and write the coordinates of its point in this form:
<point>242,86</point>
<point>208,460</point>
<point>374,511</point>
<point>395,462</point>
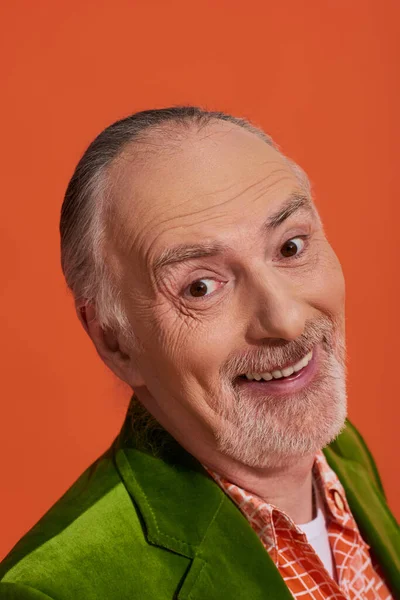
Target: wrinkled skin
<point>259,306</point>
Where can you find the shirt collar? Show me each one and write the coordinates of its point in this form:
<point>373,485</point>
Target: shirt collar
<point>268,519</point>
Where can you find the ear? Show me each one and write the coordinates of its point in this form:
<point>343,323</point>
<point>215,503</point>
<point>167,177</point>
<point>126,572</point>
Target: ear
<point>112,349</point>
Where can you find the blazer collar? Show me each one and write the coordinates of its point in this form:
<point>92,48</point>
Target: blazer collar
<point>368,505</point>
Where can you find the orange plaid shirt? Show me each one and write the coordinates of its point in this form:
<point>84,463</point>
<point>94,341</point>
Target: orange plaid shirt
<point>296,560</point>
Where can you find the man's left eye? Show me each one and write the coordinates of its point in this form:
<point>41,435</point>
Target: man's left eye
<point>291,247</point>
<point>202,287</point>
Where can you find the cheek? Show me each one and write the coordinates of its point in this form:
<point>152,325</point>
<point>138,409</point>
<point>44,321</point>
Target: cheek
<point>194,351</point>
<point>178,345</point>
<point>327,284</point>
<point>204,348</point>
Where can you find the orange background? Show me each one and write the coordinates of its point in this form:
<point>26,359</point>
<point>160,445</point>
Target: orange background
<point>321,76</point>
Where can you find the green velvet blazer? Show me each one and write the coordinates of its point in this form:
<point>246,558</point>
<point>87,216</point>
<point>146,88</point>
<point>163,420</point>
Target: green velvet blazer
<point>148,524</point>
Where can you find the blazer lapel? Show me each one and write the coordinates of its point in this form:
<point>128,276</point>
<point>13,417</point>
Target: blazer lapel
<point>186,512</point>
<point>231,561</point>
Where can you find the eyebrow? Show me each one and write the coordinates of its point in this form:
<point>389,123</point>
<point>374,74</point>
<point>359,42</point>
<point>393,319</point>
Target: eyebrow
<point>185,252</point>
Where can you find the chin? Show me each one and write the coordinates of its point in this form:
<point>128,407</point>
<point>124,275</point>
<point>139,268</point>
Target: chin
<point>274,432</point>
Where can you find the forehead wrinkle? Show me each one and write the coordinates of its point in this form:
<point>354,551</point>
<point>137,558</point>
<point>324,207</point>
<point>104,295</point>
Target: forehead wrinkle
<point>296,202</point>
<point>261,181</point>
<point>133,240</point>
<point>251,186</point>
<point>214,245</point>
<point>267,187</point>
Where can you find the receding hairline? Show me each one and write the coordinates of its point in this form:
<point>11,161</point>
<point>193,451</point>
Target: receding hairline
<point>162,141</point>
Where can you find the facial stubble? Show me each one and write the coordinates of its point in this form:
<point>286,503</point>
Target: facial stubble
<point>272,432</point>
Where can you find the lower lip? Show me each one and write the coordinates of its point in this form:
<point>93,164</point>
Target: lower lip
<point>284,385</point>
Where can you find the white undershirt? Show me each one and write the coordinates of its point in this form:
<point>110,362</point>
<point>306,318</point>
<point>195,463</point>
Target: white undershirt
<point>317,536</point>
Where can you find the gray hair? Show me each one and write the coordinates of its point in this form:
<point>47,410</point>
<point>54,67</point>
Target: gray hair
<point>86,202</point>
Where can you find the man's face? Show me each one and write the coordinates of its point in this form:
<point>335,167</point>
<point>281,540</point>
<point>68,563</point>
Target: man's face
<point>214,291</point>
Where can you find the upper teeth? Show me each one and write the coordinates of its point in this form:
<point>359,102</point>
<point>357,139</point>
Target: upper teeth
<point>284,372</point>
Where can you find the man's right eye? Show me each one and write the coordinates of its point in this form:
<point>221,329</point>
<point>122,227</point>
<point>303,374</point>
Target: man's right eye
<point>202,287</point>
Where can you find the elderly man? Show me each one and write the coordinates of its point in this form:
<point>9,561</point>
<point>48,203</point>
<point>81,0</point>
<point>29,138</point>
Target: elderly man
<point>202,273</point>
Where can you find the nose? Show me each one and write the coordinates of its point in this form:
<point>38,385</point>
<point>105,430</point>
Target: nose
<point>276,309</point>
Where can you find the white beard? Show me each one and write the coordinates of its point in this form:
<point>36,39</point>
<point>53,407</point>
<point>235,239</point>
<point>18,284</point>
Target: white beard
<point>272,432</point>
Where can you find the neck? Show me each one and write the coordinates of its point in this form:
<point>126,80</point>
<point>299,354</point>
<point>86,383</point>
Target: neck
<point>289,487</point>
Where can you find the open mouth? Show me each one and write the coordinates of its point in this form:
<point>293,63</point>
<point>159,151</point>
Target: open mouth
<point>277,379</point>
<point>289,379</point>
